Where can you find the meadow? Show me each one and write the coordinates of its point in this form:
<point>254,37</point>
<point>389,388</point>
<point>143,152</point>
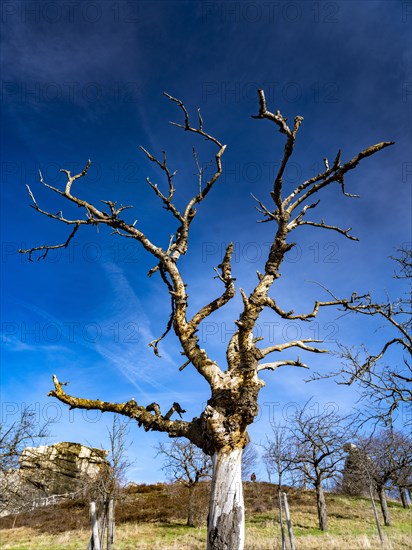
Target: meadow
<point>154,516</point>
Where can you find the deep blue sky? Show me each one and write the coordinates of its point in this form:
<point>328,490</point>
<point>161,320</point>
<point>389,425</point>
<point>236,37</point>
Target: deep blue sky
<point>85,80</point>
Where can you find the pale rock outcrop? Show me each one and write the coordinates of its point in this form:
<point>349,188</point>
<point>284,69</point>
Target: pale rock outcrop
<point>60,468</point>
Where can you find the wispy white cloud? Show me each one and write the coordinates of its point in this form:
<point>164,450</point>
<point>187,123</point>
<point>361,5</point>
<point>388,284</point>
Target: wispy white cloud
<point>15,344</point>
<point>128,351</point>
<point>120,335</point>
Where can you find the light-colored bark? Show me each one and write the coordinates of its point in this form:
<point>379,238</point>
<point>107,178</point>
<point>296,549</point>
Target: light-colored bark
<point>226,522</point>
<point>321,506</point>
<point>221,428</point>
<point>375,513</point>
<point>289,522</point>
<point>95,527</point>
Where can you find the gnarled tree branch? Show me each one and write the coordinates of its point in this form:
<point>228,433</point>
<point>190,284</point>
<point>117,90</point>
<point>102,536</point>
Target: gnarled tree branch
<point>243,340</point>
<point>276,364</point>
<point>149,417</point>
<point>226,277</point>
<point>302,344</point>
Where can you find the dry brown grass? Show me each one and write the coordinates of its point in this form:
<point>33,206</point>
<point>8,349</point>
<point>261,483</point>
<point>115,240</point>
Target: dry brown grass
<point>154,516</point>
<point>139,536</point>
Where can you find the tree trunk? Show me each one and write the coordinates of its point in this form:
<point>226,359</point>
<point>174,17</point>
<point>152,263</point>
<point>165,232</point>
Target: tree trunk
<point>226,522</point>
<point>305,477</point>
<point>190,519</point>
<point>404,498</point>
<point>321,505</point>
<point>384,505</point>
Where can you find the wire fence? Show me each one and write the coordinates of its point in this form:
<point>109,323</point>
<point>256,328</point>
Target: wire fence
<point>50,500</point>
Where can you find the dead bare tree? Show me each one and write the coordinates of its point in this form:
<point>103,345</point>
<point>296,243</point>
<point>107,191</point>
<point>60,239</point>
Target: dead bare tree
<point>221,429</point>
<point>317,439</point>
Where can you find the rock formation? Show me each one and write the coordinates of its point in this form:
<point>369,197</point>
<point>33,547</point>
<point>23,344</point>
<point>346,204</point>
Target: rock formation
<point>60,468</point>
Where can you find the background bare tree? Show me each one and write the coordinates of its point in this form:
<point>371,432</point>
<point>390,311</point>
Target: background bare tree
<point>317,440</point>
<point>278,459</point>
<point>385,384</point>
<point>387,458</point>
<point>250,458</point>
<point>221,429</point>
<point>105,488</point>
<point>402,473</point>
<point>113,475</point>
<point>26,431</point>
<point>188,465</point>
<point>278,452</point>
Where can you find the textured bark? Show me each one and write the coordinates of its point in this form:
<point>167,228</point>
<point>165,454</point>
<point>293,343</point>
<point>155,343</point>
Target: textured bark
<point>226,522</point>
<point>221,429</point>
<point>384,505</point>
<point>404,498</point>
<point>321,506</point>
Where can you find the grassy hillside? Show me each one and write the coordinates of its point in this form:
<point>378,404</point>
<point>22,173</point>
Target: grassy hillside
<point>153,516</point>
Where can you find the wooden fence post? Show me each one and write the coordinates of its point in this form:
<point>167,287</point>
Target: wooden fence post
<point>110,525</point>
<point>288,521</point>
<point>102,524</point>
<point>376,516</point>
<point>94,542</point>
<point>282,528</point>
